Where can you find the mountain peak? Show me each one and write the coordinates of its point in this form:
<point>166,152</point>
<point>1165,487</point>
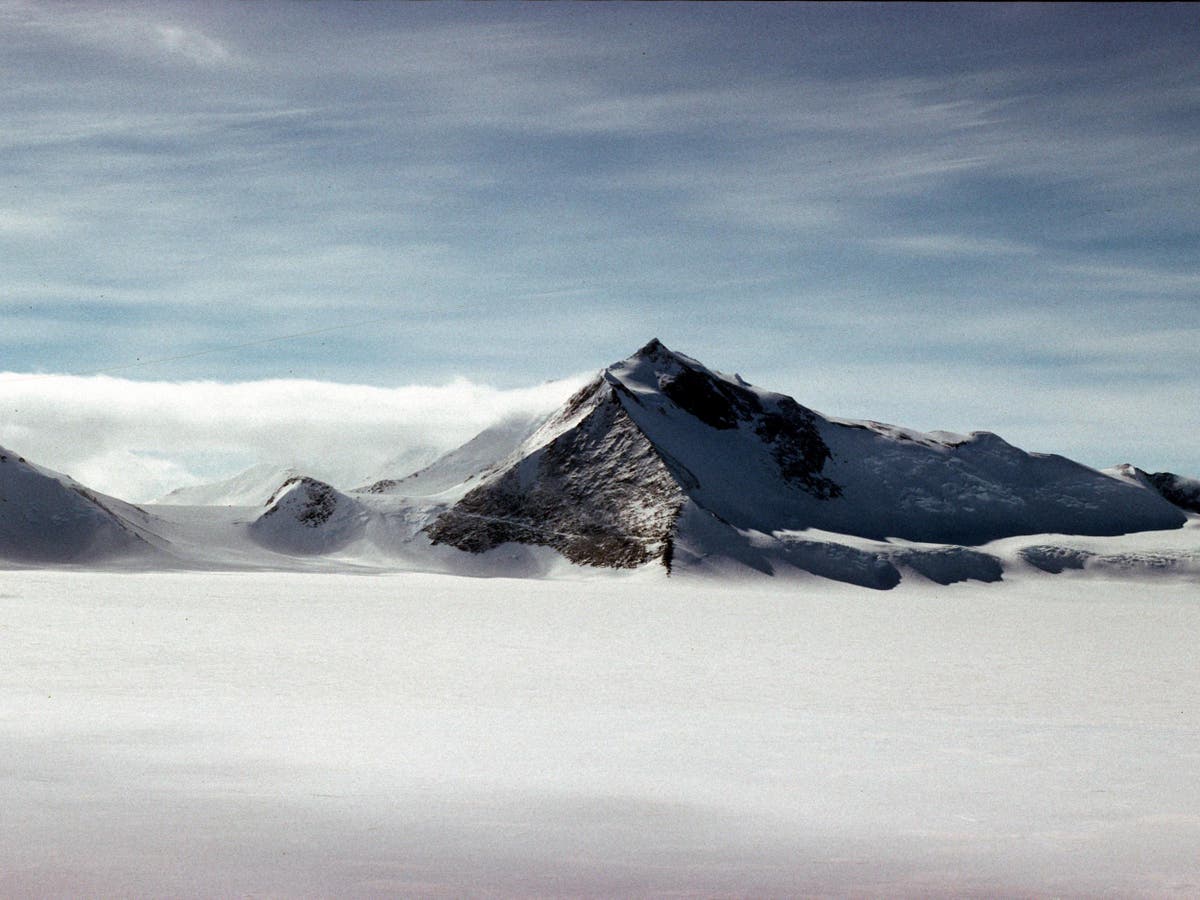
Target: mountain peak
<point>653,347</point>
<point>656,355</point>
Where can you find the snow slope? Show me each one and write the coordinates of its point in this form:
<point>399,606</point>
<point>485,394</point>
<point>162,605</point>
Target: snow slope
<point>253,487</point>
<point>460,466</point>
<point>48,518</point>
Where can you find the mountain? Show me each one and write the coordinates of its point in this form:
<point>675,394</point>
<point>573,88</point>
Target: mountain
<point>1177,489</point>
<point>658,462</point>
<point>47,517</point>
<point>660,455</point>
<point>308,517</point>
<point>253,487</point>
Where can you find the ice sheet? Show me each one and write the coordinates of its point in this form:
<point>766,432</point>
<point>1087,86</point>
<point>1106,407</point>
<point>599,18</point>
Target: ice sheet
<point>216,734</point>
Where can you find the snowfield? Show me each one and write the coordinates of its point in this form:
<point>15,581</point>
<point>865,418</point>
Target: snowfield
<point>405,734</point>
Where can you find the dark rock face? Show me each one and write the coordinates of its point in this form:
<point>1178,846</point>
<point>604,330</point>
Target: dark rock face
<point>717,404</point>
<point>798,448</point>
<point>599,494</point>
<point>319,503</point>
<point>789,430</point>
<point>1054,559</point>
<point>1183,492</point>
<point>382,486</point>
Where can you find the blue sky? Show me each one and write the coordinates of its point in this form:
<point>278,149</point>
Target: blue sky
<point>944,216</point>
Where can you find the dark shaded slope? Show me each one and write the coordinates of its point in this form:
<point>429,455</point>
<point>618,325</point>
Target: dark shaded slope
<point>597,492</point>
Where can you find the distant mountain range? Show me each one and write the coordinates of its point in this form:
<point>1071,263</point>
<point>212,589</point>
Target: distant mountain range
<point>658,462</point>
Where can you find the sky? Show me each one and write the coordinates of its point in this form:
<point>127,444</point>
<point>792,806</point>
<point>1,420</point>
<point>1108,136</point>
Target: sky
<point>951,217</point>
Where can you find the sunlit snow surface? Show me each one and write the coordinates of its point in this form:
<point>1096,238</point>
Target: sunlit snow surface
<point>290,734</point>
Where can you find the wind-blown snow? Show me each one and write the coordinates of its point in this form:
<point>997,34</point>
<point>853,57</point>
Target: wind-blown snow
<point>253,487</point>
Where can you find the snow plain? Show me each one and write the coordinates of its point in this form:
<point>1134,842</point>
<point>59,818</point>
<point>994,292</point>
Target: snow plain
<point>404,734</point>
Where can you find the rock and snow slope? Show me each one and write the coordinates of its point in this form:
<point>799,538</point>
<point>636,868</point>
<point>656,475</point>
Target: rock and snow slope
<point>308,517</point>
<point>661,453</point>
<point>46,517</point>
<point>1182,492</point>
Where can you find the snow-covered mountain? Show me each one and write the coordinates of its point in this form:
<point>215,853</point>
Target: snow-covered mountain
<point>660,454</point>
<point>47,517</point>
<point>398,467</point>
<point>308,517</point>
<point>658,463</point>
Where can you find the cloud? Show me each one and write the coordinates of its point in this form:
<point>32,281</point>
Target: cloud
<point>17,222</point>
<point>124,31</point>
<point>144,438</point>
<point>191,44</point>
<point>949,245</point>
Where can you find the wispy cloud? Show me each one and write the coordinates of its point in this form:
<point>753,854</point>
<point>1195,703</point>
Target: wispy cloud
<point>1145,280</point>
<point>127,31</point>
<point>951,245</point>
<point>16,222</point>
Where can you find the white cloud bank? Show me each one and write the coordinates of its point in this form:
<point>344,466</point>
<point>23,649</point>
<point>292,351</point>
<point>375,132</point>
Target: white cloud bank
<point>139,439</point>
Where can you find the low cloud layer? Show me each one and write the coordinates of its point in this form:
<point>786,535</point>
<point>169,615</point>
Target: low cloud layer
<point>139,439</point>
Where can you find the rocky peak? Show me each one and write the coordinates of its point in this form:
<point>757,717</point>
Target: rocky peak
<point>654,349</point>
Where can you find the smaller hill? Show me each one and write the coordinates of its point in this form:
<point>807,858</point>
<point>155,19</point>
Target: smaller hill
<point>308,517</point>
<point>464,463</point>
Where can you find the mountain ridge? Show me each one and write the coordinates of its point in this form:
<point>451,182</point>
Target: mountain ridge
<point>758,461</point>
<point>660,464</point>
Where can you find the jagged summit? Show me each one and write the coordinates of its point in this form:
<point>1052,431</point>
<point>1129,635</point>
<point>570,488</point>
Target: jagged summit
<point>656,360</point>
<point>651,348</point>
